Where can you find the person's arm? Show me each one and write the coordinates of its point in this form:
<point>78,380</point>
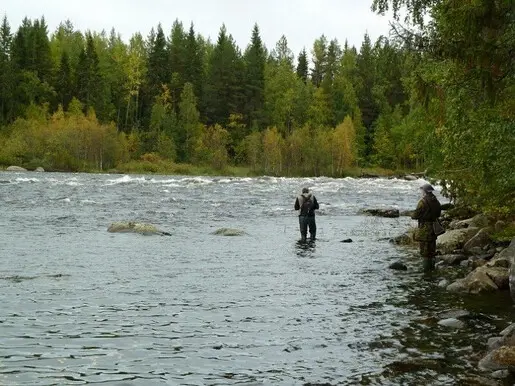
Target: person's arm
<point>315,203</point>
<point>297,206</point>
<point>421,208</point>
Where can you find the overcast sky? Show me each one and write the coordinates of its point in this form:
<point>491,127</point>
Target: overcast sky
<point>301,21</point>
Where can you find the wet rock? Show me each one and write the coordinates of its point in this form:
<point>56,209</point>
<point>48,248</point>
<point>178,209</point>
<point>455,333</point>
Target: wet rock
<point>346,241</point>
<point>39,169</point>
<point>415,364</point>
<point>509,254</point>
<point>510,330</point>
<point>135,227</point>
<point>479,240</point>
<point>464,263</point>
<point>398,266</point>
<point>390,213</point>
<point>476,263</point>
<point>453,314</point>
<point>477,380</point>
<point>500,374</point>
<point>451,259</point>
<point>16,169</point>
<point>494,343</point>
<point>502,358</point>
<point>451,323</point>
<point>443,283</point>
<point>228,232</point>
<point>406,213</point>
<point>499,261</point>
<point>482,279</point>
<point>409,177</point>
<point>454,239</point>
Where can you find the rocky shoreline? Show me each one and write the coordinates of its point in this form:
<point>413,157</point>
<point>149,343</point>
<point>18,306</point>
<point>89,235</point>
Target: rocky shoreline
<point>489,266</point>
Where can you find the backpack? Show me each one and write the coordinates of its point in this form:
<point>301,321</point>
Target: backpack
<point>307,206</point>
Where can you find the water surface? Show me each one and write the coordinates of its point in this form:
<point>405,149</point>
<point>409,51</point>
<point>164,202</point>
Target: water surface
<point>81,305</point>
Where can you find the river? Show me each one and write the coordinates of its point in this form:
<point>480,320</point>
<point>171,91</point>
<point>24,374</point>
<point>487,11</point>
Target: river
<point>80,305</point>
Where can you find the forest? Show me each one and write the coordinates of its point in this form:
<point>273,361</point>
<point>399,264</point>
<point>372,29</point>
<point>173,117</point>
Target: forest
<point>437,95</point>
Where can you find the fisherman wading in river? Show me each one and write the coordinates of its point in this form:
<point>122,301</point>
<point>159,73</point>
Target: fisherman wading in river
<point>306,204</point>
<point>427,213</point>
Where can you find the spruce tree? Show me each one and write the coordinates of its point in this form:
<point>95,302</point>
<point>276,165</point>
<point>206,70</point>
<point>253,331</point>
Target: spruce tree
<point>255,58</point>
<point>303,66</point>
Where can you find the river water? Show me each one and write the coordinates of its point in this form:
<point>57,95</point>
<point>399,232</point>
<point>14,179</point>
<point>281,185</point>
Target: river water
<point>80,305</point>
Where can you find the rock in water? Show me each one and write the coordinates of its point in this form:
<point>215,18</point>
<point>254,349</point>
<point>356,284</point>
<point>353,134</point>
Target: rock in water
<point>398,266</point>
<point>39,169</point>
<point>390,213</point>
<point>346,241</point>
<point>452,323</point>
<point>16,169</point>
<point>228,232</point>
<point>135,227</point>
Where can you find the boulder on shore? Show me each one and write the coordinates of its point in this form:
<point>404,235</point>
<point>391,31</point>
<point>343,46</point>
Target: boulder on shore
<point>135,227</point>
<point>16,169</point>
<point>390,213</point>
<point>454,239</point>
<point>39,169</point>
<point>480,239</point>
<point>481,280</point>
<point>509,254</point>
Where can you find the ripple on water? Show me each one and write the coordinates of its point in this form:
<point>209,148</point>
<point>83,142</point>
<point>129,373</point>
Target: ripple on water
<point>80,305</point>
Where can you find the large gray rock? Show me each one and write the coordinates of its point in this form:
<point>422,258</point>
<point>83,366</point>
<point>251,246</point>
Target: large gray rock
<point>479,221</point>
<point>451,259</point>
<point>135,227</point>
<point>16,169</point>
<point>481,280</point>
<point>455,239</point>
<point>502,358</point>
<point>451,323</point>
<point>479,240</point>
<point>39,169</point>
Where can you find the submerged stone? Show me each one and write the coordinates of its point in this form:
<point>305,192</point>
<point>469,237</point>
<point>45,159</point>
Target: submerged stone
<point>452,323</point>
<point>398,266</point>
<point>228,232</point>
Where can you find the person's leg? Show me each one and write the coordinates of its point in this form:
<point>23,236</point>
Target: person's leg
<point>312,228</point>
<point>428,251</point>
<point>303,224</point>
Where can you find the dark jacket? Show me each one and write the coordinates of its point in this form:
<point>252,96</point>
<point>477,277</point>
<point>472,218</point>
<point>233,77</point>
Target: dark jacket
<point>428,210</point>
<point>301,199</point>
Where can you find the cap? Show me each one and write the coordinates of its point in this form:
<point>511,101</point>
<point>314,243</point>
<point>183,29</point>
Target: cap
<point>427,188</point>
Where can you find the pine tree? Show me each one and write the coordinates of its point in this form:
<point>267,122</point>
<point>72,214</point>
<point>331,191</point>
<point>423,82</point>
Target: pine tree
<point>302,66</point>
<point>255,58</point>
<point>224,93</point>
<point>177,56</point>
<point>64,81</point>
<point>194,63</point>
<point>6,73</point>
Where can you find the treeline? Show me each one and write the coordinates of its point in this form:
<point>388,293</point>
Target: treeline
<point>178,95</point>
<point>437,97</point>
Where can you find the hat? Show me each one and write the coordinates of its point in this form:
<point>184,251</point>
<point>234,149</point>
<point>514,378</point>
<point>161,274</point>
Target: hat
<point>427,188</point>
<point>305,190</point>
